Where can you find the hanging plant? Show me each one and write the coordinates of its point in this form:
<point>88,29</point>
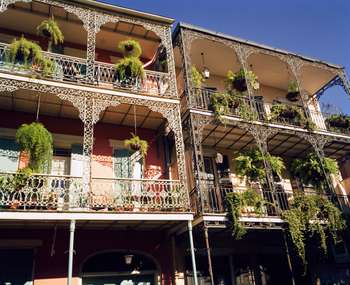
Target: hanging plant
<point>37,141</point>
<point>338,121</point>
<point>221,104</point>
<point>309,170</point>
<point>250,164</point>
<point>29,55</point>
<point>197,77</point>
<point>50,29</point>
<point>312,216</point>
<point>137,144</point>
<point>236,203</point>
<point>291,113</point>
<point>129,68</point>
<point>293,91</point>
<point>238,80</point>
<point>130,48</point>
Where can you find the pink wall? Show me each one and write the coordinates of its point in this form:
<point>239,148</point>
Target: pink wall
<point>53,269</point>
<point>102,152</point>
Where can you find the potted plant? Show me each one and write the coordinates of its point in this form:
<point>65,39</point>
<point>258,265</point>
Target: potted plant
<point>37,141</point>
<point>238,80</point>
<point>197,77</point>
<point>129,68</point>
<point>293,91</point>
<point>250,164</point>
<point>312,216</point>
<point>220,104</point>
<point>50,30</point>
<point>137,144</point>
<point>28,55</point>
<point>309,170</point>
<point>339,121</point>
<point>238,204</point>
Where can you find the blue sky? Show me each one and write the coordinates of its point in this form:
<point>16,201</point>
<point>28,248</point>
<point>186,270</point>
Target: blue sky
<point>316,28</point>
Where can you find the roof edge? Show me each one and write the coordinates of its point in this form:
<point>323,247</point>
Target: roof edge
<point>251,43</point>
<point>127,11</point>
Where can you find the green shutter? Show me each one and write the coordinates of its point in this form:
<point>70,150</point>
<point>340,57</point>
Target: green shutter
<point>9,155</point>
<point>122,164</point>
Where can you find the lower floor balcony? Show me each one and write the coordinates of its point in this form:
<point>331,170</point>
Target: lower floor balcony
<point>67,193</point>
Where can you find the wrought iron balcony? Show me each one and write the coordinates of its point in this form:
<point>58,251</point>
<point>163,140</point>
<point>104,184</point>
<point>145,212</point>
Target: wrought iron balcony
<point>213,201</point>
<point>66,193</point>
<point>74,69</point>
<point>201,99</point>
<point>323,122</point>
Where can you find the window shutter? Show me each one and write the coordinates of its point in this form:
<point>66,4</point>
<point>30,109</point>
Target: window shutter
<point>76,164</point>
<point>122,163</point>
<point>9,155</point>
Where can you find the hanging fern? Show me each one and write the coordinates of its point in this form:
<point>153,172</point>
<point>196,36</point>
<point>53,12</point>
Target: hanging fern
<point>309,170</point>
<point>37,141</point>
<point>197,77</point>
<point>137,144</point>
<point>236,202</point>
<point>250,164</point>
<point>312,216</point>
<point>130,48</point>
<point>49,28</point>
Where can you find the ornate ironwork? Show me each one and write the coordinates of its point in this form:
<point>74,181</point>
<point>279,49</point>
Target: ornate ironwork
<point>66,193</point>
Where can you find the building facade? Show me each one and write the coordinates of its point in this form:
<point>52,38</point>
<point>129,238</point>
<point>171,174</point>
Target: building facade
<point>215,136</point>
<point>101,212</point>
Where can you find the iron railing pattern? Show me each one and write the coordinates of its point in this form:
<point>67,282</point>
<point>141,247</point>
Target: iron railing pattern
<point>201,99</point>
<point>74,69</point>
<point>67,193</point>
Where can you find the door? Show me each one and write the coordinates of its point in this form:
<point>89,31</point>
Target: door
<point>60,165</point>
<point>210,183</point>
<point>120,280</point>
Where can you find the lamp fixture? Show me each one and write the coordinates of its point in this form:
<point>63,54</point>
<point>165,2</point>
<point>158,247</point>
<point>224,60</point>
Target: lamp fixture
<point>205,71</point>
<point>128,258</point>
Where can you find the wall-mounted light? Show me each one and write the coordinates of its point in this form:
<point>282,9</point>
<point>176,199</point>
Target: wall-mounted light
<point>205,70</point>
<point>219,158</point>
<point>128,258</point>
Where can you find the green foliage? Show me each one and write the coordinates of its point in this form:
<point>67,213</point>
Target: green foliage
<point>291,112</point>
<point>130,67</point>
<point>137,144</point>
<point>29,55</point>
<point>50,28</point>
<point>312,216</point>
<point>223,102</point>
<point>249,76</point>
<point>250,164</point>
<point>293,87</point>
<point>309,169</point>
<point>236,202</point>
<point>130,48</point>
<point>133,64</point>
<point>37,141</point>
<point>197,77</point>
<point>338,121</point>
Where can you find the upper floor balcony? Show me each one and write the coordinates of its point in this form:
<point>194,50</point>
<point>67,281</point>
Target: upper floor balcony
<point>84,169</point>
<point>276,87</point>
<point>88,53</point>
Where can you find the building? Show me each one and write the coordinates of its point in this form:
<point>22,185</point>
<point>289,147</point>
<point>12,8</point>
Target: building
<point>99,212</point>
<point>101,208</point>
<point>213,136</point>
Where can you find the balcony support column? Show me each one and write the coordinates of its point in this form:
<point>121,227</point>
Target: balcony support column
<point>195,127</point>
<point>71,252</point>
<point>193,256</point>
<point>288,257</point>
<point>207,245</point>
<point>91,29</point>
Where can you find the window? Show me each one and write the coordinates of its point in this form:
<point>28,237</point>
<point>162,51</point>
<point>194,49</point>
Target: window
<point>9,155</point>
<point>127,164</point>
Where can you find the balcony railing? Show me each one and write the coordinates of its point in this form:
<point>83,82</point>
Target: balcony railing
<point>74,69</point>
<point>66,193</point>
<point>201,99</point>
<point>320,119</point>
<point>214,200</point>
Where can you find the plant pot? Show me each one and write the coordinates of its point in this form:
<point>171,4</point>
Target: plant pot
<point>240,84</point>
<point>339,123</point>
<point>234,104</point>
<point>293,96</point>
<point>135,147</point>
<point>288,114</point>
<point>46,33</point>
<point>129,48</point>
